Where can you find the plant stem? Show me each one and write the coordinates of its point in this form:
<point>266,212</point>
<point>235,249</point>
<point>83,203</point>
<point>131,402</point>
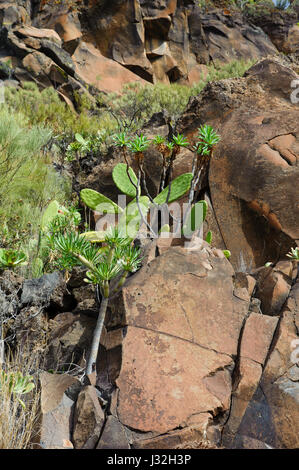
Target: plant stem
<point>84,261</point>
<point>110,255</point>
<point>97,336</point>
<point>121,281</point>
<point>139,208</point>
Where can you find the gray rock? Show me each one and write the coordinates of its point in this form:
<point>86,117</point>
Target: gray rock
<point>114,435</point>
<point>39,291</point>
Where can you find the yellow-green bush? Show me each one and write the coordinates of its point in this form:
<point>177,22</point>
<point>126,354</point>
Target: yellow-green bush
<point>28,180</point>
<point>19,412</point>
<point>46,108</point>
<point>172,98</point>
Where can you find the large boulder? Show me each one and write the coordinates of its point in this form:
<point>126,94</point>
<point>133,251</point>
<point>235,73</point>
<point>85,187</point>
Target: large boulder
<point>118,31</point>
<point>99,71</point>
<point>56,411</point>
<point>88,419</point>
<point>138,40</point>
<point>223,37</point>
<point>270,415</point>
<point>176,363</point>
<point>204,369</point>
<point>257,154</point>
<point>280,26</point>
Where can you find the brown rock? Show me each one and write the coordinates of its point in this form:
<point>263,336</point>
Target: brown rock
<point>11,14</point>
<point>287,146</point>
<point>114,435</point>
<point>148,310</point>
<point>253,216</point>
<point>197,73</point>
<point>160,393</point>
<point>272,414</point>
<point>246,442</point>
<point>119,35</point>
<point>225,37</point>
<point>246,281</point>
<point>292,42</point>
<point>39,33</point>
<point>102,73</point>
<point>88,419</point>
<point>56,409</point>
<point>191,437</point>
<point>53,387</point>
<point>249,375</point>
<point>273,288</point>
<point>69,340</point>
<point>86,300</point>
<point>175,364</point>
<point>67,25</point>
<point>257,337</point>
<point>39,66</point>
<point>279,26</point>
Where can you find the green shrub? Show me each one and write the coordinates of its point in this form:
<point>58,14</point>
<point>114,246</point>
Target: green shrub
<point>139,102</point>
<point>19,401</point>
<point>45,108</point>
<point>28,182</point>
<point>114,112</point>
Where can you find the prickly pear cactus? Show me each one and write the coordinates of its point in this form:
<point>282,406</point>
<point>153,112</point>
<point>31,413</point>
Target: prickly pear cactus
<point>164,229</point>
<point>195,218</point>
<point>122,181</point>
<point>209,237</point>
<point>179,187</point>
<point>37,267</point>
<point>50,213</point>
<point>131,219</point>
<point>227,253</point>
<point>94,237</point>
<point>98,202</point>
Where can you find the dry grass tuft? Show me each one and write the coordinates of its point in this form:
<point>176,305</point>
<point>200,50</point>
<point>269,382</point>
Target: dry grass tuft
<point>19,425</point>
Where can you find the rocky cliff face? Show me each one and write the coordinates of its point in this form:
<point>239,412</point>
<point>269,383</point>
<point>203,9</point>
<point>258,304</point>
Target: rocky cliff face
<point>197,351</point>
<point>104,44</point>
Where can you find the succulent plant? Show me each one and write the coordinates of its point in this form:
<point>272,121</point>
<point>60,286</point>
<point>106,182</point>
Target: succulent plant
<point>50,213</point>
<point>158,140</point>
<point>130,258</point>
<point>179,187</point>
<point>103,272</point>
<point>195,218</point>
<point>122,181</point>
<point>121,140</point>
<point>180,140</point>
<point>10,258</point>
<point>208,138</point>
<point>139,144</point>
<point>16,384</point>
<point>118,258</point>
<point>98,202</point>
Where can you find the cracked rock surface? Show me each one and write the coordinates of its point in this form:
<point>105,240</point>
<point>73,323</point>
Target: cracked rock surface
<point>196,366</point>
<point>254,171</point>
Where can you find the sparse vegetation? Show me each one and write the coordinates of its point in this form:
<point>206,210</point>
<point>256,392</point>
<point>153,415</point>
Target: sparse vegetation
<point>19,402</point>
<point>104,266</point>
<point>138,103</point>
<point>27,183</point>
<point>113,113</point>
